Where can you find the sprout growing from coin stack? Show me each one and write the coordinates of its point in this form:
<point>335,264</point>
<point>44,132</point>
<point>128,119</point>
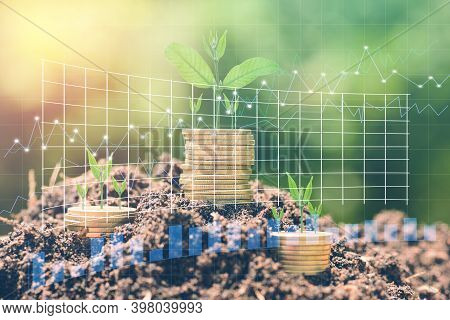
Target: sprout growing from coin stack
<point>306,252</point>
<point>218,162</point>
<point>96,221</point>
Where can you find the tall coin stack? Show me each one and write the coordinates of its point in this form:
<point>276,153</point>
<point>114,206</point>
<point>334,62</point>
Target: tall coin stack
<point>218,165</point>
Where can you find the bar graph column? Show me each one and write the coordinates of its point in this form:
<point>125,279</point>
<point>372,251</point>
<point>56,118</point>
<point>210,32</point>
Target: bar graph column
<point>37,270</point>
<point>195,241</point>
<point>175,242</point>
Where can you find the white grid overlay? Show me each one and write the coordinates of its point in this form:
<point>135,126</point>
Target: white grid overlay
<point>342,127</point>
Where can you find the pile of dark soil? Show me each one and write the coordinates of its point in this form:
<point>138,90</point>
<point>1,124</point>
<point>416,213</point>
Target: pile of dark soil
<point>359,270</point>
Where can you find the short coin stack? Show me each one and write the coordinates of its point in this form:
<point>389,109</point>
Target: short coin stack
<point>305,252</point>
<point>96,221</point>
<point>218,165</point>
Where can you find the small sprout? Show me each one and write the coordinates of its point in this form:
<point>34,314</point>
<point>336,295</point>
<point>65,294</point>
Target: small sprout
<point>278,216</point>
<point>119,188</point>
<point>195,107</point>
<point>315,212</point>
<point>100,172</point>
<point>300,195</point>
<point>231,107</point>
<point>82,192</point>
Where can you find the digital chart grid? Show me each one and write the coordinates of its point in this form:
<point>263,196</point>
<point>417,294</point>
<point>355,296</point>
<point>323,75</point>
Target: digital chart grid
<point>354,144</point>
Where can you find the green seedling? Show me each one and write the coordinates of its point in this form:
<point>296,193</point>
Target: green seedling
<point>315,212</point>
<point>195,70</point>
<point>100,172</point>
<point>82,192</point>
<point>195,106</point>
<point>119,188</point>
<point>300,195</point>
<point>278,216</point>
<point>231,107</point>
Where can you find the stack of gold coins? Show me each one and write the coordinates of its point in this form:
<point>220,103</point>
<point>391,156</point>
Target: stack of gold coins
<point>305,252</point>
<point>95,221</point>
<point>218,165</point>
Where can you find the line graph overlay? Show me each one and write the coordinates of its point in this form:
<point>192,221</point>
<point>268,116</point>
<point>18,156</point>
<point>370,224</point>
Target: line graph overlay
<point>355,144</point>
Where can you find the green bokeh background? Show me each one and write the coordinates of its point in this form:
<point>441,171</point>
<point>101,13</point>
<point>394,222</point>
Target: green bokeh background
<point>311,36</point>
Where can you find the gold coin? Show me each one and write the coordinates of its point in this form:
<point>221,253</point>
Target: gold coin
<point>241,165</point>
<point>232,201</point>
<point>217,186</point>
<point>221,148</point>
<point>216,131</point>
<point>303,263</point>
<point>221,192</point>
<point>213,180</point>
<point>303,235</point>
<point>95,218</point>
<point>229,163</point>
<point>102,224</point>
<point>207,170</point>
<point>305,273</point>
<point>231,188</point>
<point>215,142</point>
<point>299,252</point>
<point>199,178</point>
<point>220,160</point>
<point>318,258</point>
<point>226,197</point>
<point>212,151</point>
<point>92,229</point>
<point>296,268</point>
<point>96,211</point>
<point>305,247</point>
<point>302,254</point>
<point>217,150</point>
<point>219,155</point>
<point>97,235</point>
<point>303,242</point>
<point>227,138</point>
<point>219,170</point>
<point>196,137</point>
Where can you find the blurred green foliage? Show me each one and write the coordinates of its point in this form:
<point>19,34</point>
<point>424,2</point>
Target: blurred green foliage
<point>313,37</point>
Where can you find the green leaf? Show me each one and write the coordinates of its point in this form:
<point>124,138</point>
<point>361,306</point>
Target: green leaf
<point>116,186</point>
<point>81,191</point>
<point>198,105</point>
<point>192,104</point>
<point>319,209</point>
<point>236,104</point>
<point>94,165</point>
<point>221,45</point>
<point>190,65</point>
<point>293,189</point>
<point>227,103</point>
<point>119,188</point>
<point>310,207</point>
<point>246,72</point>
<point>123,186</point>
<point>195,106</point>
<point>274,213</point>
<point>207,48</point>
<point>281,214</point>
<point>308,190</point>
